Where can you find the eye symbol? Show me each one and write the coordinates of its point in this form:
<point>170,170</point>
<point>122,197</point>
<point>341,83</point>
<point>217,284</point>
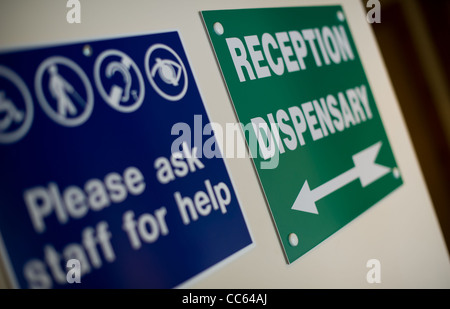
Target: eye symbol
<point>168,70</point>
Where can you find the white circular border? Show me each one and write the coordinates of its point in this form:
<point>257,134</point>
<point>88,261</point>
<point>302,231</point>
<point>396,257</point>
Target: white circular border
<point>16,135</point>
<point>43,101</point>
<point>150,78</point>
<point>218,28</point>
<point>101,89</point>
<point>293,239</point>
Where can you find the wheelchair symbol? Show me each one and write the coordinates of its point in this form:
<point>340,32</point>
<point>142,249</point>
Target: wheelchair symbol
<point>16,107</point>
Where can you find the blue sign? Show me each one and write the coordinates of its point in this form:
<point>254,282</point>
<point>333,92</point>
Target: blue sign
<point>94,176</point>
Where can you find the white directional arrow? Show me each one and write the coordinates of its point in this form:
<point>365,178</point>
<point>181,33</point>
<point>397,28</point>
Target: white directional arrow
<point>365,169</point>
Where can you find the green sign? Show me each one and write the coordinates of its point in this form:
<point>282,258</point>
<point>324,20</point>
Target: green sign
<point>309,117</point>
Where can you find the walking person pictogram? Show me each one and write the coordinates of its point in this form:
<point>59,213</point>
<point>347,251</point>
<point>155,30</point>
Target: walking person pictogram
<point>64,91</point>
<point>60,90</point>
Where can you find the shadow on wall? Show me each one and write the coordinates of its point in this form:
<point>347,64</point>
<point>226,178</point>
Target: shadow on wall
<point>413,38</point>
